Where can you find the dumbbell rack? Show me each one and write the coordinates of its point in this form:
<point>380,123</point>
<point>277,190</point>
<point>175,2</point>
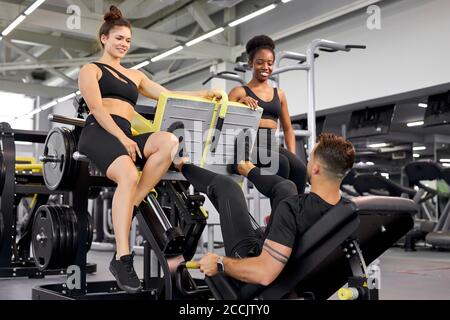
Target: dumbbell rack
<point>15,260</point>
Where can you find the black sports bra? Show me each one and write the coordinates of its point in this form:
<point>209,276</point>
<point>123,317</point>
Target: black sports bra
<point>112,87</point>
<point>272,109</point>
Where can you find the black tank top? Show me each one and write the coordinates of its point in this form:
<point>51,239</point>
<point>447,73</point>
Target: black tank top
<point>272,109</point>
<point>112,87</point>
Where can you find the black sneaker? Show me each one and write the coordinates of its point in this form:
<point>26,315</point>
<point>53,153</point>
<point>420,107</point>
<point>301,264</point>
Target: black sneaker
<point>241,143</point>
<point>124,273</point>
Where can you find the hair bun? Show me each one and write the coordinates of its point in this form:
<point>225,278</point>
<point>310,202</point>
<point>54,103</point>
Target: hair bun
<point>113,14</point>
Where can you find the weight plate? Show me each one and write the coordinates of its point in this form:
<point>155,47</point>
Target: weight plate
<point>59,258</point>
<point>45,238</point>
<point>70,252</point>
<point>2,172</point>
<point>54,171</point>
<point>67,251</point>
<point>74,164</point>
<point>55,261</point>
<point>74,220</point>
<point>69,174</point>
<point>69,245</point>
<point>2,228</point>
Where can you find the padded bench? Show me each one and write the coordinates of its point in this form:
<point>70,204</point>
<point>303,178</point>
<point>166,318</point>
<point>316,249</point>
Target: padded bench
<point>334,249</point>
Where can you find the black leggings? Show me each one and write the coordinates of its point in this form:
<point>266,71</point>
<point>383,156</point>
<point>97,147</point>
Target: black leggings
<point>239,237</point>
<point>289,165</point>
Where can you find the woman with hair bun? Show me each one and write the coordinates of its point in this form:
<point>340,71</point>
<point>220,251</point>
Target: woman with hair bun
<point>258,92</point>
<point>111,92</point>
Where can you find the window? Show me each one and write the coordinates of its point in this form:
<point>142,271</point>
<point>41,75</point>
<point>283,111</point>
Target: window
<point>14,105</point>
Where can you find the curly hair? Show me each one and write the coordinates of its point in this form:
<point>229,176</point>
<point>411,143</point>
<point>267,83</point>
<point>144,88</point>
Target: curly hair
<point>257,43</point>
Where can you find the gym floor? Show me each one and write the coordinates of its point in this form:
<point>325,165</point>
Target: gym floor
<point>420,275</point>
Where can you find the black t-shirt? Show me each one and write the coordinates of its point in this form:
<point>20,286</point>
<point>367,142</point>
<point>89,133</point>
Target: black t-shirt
<point>294,215</point>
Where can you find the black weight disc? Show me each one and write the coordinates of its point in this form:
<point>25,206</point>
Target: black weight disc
<point>67,157</point>
<point>59,259</point>
<point>2,228</point>
<point>63,237</point>
<point>69,174</point>
<point>69,243</point>
<point>56,262</point>
<point>74,220</point>
<point>2,172</point>
<point>74,147</point>
<point>45,238</point>
<point>70,250</point>
<point>56,146</point>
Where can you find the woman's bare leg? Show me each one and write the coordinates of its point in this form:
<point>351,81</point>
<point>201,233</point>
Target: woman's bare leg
<point>124,173</point>
<point>159,150</point>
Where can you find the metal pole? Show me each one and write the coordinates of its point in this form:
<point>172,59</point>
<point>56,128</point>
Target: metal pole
<point>210,237</point>
<point>311,99</point>
<point>344,131</point>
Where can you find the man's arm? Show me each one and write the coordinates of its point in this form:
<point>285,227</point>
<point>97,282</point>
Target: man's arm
<point>257,270</point>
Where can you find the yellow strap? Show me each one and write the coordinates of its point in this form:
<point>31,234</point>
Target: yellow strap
<point>222,110</point>
<point>139,124</point>
<point>209,137</point>
<point>224,104</point>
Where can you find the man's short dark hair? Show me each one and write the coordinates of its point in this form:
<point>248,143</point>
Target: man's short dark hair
<point>335,153</point>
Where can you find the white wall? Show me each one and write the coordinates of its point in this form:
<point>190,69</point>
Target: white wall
<point>410,52</point>
<point>284,16</point>
<point>192,82</point>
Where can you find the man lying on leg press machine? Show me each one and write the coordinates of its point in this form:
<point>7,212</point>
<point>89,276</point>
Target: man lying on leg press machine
<point>258,258</point>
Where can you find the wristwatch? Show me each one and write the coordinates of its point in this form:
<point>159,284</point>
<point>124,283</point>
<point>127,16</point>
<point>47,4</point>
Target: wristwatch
<point>220,265</point>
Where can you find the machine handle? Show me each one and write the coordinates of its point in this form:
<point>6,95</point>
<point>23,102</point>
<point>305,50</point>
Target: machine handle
<point>219,74</point>
<point>348,294</point>
<point>352,46</point>
<point>348,47</point>
<point>207,80</point>
<point>192,264</point>
<point>227,72</point>
<point>238,69</point>
<point>180,284</point>
<point>223,75</point>
<point>328,50</point>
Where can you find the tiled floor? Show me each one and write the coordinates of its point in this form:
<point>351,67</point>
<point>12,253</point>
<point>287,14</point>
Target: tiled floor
<point>421,275</point>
